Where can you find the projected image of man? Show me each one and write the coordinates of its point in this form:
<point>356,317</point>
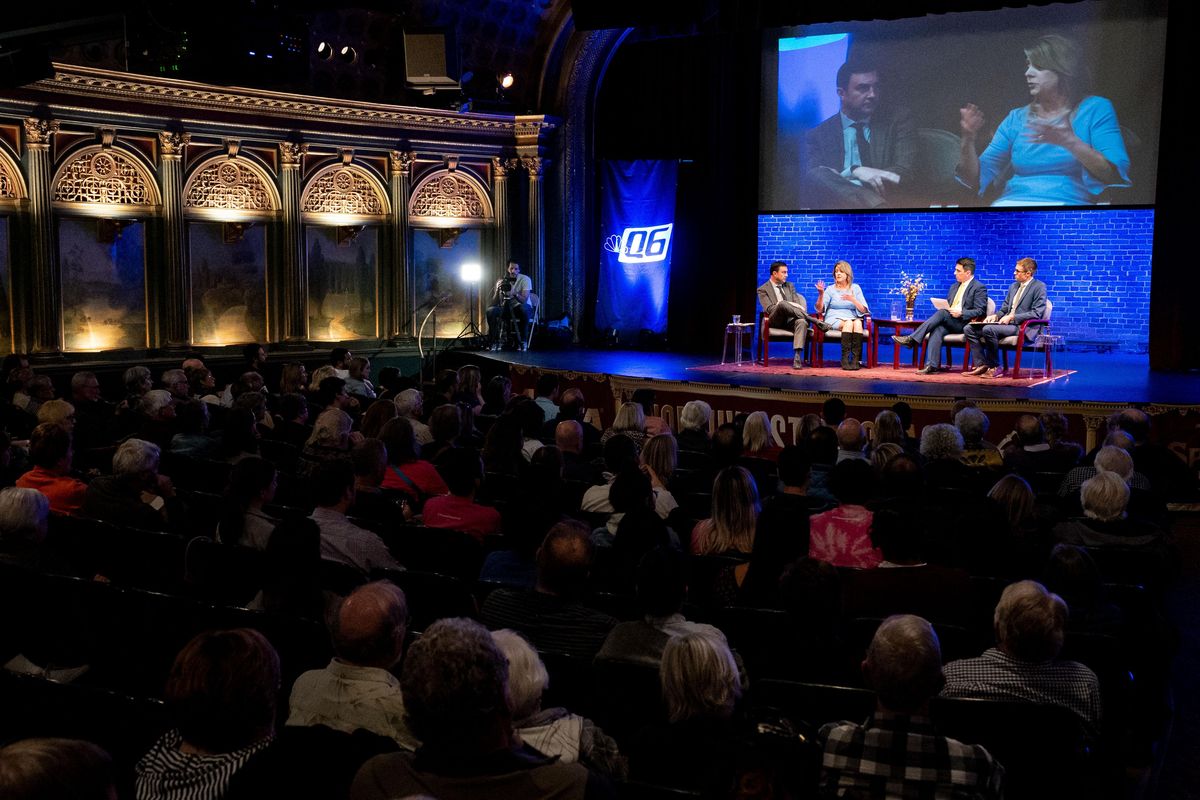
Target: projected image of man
<point>862,155</point>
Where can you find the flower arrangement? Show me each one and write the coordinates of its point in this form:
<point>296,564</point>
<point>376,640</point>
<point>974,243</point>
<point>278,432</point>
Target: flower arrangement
<point>910,287</point>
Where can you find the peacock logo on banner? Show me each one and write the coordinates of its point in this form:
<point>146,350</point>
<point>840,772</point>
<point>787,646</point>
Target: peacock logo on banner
<point>641,245</point>
<point>638,199</point>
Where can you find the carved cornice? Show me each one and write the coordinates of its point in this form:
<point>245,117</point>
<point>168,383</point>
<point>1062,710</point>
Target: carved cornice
<point>291,153</point>
<point>85,81</point>
<point>39,131</point>
<point>172,143</point>
<point>401,162</point>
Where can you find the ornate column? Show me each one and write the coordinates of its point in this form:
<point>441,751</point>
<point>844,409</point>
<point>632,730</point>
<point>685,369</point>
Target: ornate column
<point>401,289</point>
<point>536,166</point>
<point>174,321</point>
<point>503,240</point>
<point>293,310</point>
<point>41,292</point>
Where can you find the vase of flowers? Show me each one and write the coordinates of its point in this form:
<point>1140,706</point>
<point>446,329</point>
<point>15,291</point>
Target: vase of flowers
<point>909,287</point>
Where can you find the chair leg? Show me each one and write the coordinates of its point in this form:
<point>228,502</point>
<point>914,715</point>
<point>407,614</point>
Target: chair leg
<point>1016,373</point>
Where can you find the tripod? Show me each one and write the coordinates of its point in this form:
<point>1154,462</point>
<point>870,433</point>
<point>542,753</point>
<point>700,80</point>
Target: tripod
<point>471,333</point>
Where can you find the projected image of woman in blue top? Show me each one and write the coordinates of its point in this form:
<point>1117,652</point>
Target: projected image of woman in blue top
<point>1064,148</point>
<point>844,308</point>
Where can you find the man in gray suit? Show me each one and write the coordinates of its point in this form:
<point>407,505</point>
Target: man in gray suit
<point>787,309</point>
<point>1026,299</point>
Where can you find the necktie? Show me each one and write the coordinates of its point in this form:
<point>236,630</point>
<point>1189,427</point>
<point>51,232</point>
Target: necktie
<point>864,147</point>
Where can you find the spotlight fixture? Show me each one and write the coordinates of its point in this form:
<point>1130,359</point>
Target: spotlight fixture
<point>505,80</point>
<point>348,54</point>
<point>324,51</point>
<point>471,272</point>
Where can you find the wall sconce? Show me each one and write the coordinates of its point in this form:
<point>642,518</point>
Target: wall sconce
<point>234,232</point>
<point>346,234</point>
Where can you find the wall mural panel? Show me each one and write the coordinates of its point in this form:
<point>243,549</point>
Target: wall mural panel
<point>103,283</point>
<point>438,257</point>
<point>342,274</point>
<point>229,304</point>
<point>6,341</point>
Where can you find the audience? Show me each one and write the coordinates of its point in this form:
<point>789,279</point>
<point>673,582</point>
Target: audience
<point>51,455</point>
<point>341,539</point>
<point>357,689</point>
<point>1030,625</point>
<point>551,616</point>
<point>897,752</point>
<point>37,769</point>
<point>553,732</point>
<point>463,472</point>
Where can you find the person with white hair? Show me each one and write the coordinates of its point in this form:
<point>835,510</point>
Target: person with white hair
<point>698,746</point>
<point>904,666</point>
<point>552,731</point>
<point>1030,625</point>
<point>24,514</point>
<point>410,404</point>
<point>1104,499</point>
<point>135,494</point>
<point>694,420</point>
<point>630,421</point>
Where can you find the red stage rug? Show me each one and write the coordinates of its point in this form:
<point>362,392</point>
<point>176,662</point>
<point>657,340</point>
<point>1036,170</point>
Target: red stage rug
<point>881,373</point>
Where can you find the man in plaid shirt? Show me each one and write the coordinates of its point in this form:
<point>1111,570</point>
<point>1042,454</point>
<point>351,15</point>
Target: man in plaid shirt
<point>1030,626</point>
<point>897,753</point>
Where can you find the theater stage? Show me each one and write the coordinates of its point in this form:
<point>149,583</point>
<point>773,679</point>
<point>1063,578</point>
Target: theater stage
<point>1099,384</point>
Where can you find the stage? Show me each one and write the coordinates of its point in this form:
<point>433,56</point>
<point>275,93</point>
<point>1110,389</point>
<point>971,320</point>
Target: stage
<point>1098,385</point>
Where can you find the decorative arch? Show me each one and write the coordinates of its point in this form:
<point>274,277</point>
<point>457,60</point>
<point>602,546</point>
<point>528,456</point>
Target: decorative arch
<point>105,180</point>
<point>347,193</point>
<point>12,183</point>
<point>230,189</point>
<point>445,199</point>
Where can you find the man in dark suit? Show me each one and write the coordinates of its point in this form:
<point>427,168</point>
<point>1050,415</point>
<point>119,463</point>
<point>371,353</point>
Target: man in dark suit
<point>787,309</point>
<point>968,300</point>
<point>858,156</point>
<point>1026,299</point>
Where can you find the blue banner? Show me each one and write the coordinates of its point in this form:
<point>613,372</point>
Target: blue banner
<point>637,219</point>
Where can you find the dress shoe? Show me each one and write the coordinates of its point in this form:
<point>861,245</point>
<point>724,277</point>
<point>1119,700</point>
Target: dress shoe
<point>978,371</point>
<point>995,372</point>
<point>823,325</point>
<point>907,341</point>
<point>928,369</point>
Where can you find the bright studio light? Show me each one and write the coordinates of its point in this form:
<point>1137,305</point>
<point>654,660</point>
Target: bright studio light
<point>506,80</point>
<point>471,273</point>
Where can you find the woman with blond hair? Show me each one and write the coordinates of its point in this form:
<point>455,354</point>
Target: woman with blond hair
<point>844,309</point>
<point>735,509</point>
<point>757,441</point>
<point>631,421</point>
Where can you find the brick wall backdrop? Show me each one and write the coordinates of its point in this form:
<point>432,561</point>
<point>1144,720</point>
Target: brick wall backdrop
<point>1095,262</point>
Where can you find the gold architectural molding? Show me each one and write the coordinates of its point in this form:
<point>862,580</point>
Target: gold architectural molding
<point>344,190</point>
<point>86,81</point>
<point>290,154</point>
<point>500,167</point>
<point>445,199</point>
<point>12,182</point>
<point>401,161</point>
<point>105,178</point>
<point>534,165</point>
<point>38,131</point>
<point>173,143</point>
<point>229,189</point>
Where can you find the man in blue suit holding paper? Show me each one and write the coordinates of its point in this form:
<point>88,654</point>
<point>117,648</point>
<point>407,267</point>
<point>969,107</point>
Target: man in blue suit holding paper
<point>1026,299</point>
<point>966,300</point>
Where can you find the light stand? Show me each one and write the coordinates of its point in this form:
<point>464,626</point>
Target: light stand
<point>471,273</point>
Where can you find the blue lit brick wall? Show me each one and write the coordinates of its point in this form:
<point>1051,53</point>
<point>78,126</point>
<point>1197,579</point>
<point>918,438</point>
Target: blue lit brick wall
<point>1095,262</point>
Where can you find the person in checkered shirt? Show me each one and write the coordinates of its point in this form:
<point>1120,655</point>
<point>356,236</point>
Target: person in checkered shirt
<point>897,753</point>
<point>1031,624</point>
